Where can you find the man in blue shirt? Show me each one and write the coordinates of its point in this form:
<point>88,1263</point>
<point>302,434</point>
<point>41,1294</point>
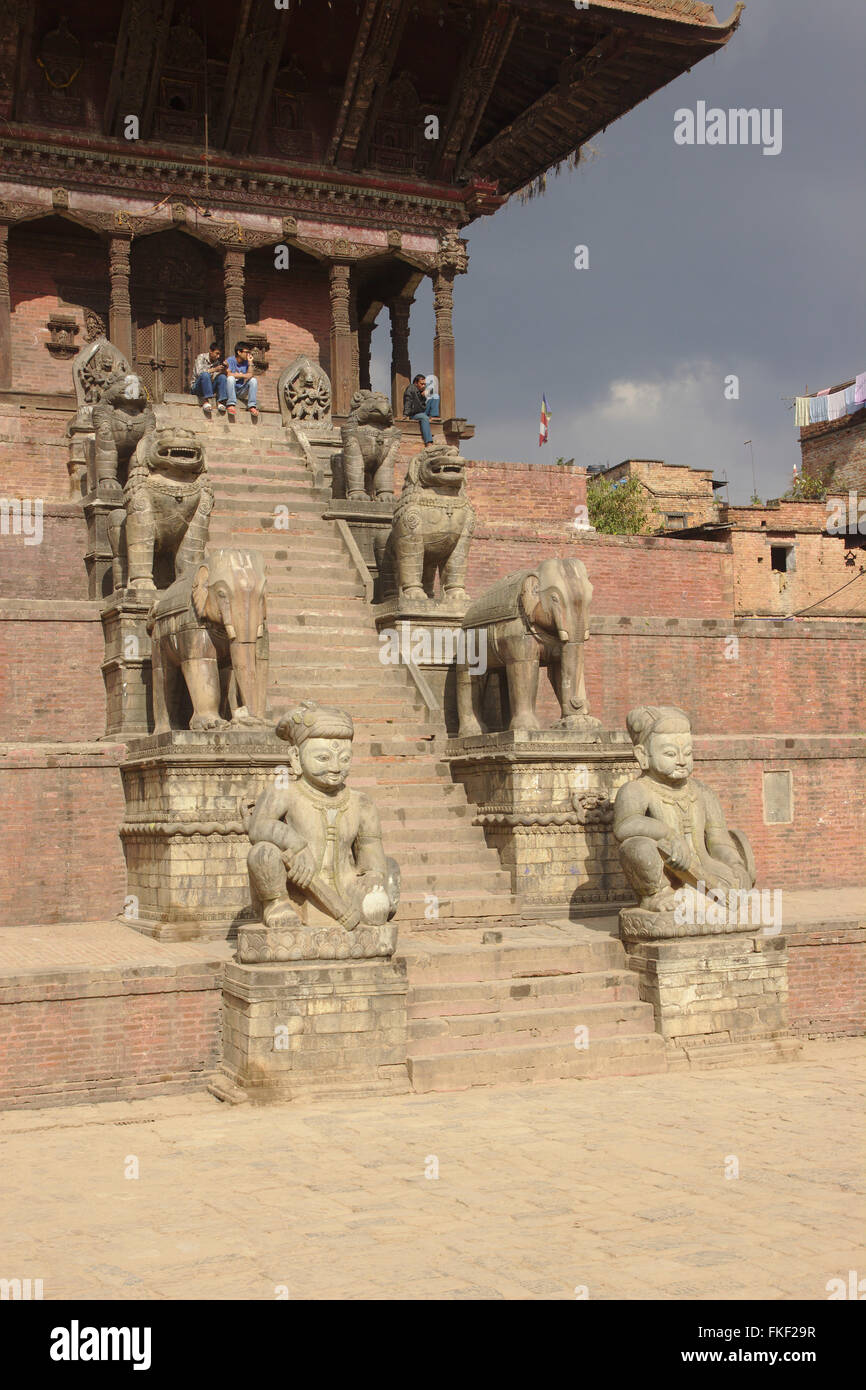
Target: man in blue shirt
<point>241,382</point>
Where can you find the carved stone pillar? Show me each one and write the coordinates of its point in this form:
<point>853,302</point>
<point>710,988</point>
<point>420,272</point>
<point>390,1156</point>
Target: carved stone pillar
<point>339,275</point>
<point>365,336</point>
<point>400,365</point>
<point>233,284</point>
<point>5,311</point>
<point>443,342</point>
<point>120,307</point>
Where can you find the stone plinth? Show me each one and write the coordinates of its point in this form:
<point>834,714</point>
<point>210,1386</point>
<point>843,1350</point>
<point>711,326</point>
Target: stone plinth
<point>425,636</point>
<point>370,524</point>
<point>313,1029</point>
<point>718,1000</point>
<point>185,844</point>
<point>545,800</point>
<point>126,669</point>
<point>98,504</point>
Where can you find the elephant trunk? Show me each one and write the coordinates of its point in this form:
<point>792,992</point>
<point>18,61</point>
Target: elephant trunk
<point>243,655</point>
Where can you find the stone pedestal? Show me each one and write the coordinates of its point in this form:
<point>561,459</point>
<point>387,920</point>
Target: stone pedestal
<point>126,669</point>
<point>98,505</point>
<point>292,1031</point>
<point>718,1000</point>
<point>545,800</point>
<point>370,525</point>
<point>426,636</point>
<point>185,844</point>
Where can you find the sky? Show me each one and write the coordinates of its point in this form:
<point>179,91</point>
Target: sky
<point>705,262</point>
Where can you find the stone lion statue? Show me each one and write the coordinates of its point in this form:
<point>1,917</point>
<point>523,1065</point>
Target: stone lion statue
<point>365,467</point>
<point>162,528</point>
<point>431,531</point>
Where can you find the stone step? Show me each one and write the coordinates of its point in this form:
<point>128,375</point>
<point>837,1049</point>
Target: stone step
<point>540,1061</point>
<point>456,908</point>
<point>311,584</point>
<point>367,679</point>
<point>531,957</point>
<point>450,998</point>
<point>242,508</point>
<point>474,1032</point>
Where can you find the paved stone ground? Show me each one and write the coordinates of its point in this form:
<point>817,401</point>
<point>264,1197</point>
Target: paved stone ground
<point>615,1185</point>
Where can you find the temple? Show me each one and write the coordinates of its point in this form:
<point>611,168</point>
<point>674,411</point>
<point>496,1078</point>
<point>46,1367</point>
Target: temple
<point>332,763</point>
<point>158,173</point>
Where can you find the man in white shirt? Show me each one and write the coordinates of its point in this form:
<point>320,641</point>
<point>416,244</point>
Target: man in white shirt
<point>209,372</point>
<point>431,395</point>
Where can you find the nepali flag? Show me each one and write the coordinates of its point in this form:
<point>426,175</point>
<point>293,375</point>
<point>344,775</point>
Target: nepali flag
<point>543,428</point>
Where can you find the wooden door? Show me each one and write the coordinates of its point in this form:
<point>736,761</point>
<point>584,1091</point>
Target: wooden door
<point>161,354</point>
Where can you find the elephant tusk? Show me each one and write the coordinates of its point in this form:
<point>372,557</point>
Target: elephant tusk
<point>231,634</point>
<point>562,634</point>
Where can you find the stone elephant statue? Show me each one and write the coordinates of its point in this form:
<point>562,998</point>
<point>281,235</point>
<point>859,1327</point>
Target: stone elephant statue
<point>535,618</point>
<point>211,626</point>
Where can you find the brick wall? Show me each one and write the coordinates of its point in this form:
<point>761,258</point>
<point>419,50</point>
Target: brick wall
<point>51,686</point>
<point>777,680</point>
<point>53,569</point>
<point>827,779</point>
<point>294,311</point>
<point>60,853</point>
<point>827,981</point>
<point>630,575</point>
<point>52,265</point>
<point>835,452</point>
<point>87,1038</point>
<point>34,450</point>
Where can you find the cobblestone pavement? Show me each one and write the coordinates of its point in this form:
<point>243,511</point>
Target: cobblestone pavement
<point>624,1187</point>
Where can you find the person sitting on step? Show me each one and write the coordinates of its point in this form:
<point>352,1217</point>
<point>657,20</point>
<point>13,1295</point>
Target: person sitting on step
<point>415,407</point>
<point>240,381</point>
<point>209,375</point>
<point>431,394</point>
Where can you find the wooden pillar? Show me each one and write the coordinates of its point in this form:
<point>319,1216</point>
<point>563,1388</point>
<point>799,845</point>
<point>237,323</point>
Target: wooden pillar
<point>233,284</point>
<point>365,345</point>
<point>400,365</point>
<point>443,342</point>
<point>120,306</point>
<point>5,311</point>
<point>339,276</point>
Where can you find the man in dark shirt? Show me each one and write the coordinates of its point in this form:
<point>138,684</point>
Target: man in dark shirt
<point>415,406</point>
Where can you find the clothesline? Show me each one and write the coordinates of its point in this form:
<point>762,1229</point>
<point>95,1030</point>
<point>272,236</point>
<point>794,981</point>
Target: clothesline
<point>829,404</point>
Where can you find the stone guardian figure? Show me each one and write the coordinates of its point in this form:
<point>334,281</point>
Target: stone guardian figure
<point>317,857</point>
<point>670,827</point>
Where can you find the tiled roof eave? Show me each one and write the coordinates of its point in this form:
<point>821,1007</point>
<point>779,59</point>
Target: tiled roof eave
<point>689,13</point>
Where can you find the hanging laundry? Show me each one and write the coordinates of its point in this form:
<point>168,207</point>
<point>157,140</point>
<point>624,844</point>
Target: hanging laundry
<point>836,405</point>
<point>818,409</point>
<point>801,411</point>
<point>850,399</point>
<point>860,389</point>
<point>825,392</point>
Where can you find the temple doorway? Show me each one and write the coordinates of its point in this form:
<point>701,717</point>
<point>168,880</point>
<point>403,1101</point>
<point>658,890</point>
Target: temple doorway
<point>176,294</point>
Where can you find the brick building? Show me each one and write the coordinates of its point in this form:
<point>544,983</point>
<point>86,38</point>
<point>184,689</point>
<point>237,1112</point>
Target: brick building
<point>678,496</point>
<point>834,451</point>
<point>789,560</point>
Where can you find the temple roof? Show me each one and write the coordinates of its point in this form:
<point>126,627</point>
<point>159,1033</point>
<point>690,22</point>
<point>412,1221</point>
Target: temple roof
<point>462,102</point>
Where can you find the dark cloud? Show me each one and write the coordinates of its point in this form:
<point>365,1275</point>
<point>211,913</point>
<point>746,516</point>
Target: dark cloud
<point>704,261</point>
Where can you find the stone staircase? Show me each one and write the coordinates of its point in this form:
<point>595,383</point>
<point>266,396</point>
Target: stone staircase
<point>491,999</point>
<point>509,1009</point>
<point>324,646</point>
